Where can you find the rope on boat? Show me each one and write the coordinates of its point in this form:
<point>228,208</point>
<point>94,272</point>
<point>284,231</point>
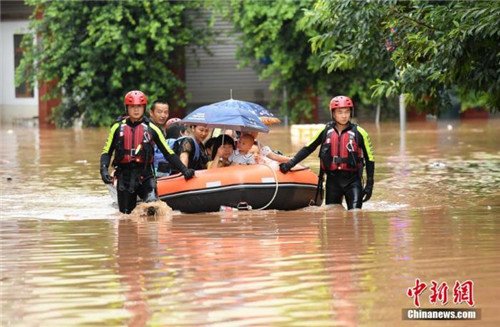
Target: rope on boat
<point>275,189</point>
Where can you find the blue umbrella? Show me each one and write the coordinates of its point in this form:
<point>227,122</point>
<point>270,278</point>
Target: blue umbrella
<point>264,115</point>
<point>226,117</point>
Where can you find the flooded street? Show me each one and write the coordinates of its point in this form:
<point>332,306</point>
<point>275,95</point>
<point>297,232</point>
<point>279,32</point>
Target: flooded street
<point>70,258</point>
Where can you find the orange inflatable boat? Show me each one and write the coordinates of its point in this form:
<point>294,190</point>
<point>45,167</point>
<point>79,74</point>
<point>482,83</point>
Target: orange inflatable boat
<point>259,186</point>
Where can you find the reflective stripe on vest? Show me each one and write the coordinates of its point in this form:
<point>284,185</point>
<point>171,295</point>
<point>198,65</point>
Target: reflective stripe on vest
<point>133,140</point>
<point>344,149</point>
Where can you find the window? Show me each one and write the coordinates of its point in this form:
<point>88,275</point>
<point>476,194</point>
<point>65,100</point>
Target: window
<point>22,91</point>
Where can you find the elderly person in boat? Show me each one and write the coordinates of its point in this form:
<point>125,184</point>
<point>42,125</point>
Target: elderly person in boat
<point>264,155</point>
<point>265,152</point>
<point>222,150</point>
<point>258,157</point>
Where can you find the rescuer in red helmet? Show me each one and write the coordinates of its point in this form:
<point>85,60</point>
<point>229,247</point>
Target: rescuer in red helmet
<point>345,149</point>
<point>132,139</point>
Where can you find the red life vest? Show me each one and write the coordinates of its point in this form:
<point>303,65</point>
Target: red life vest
<point>341,152</point>
<point>135,144</point>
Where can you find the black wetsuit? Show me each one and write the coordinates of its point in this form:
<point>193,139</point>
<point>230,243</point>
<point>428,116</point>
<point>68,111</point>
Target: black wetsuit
<point>134,178</point>
<point>340,183</point>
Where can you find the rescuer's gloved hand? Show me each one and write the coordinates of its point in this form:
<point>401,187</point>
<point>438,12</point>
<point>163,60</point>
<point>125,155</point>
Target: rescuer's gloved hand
<point>286,166</point>
<point>105,176</point>
<point>188,173</point>
<point>298,157</point>
<point>368,190</point>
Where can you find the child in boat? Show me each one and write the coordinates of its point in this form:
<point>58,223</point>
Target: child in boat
<point>242,156</point>
<point>222,150</point>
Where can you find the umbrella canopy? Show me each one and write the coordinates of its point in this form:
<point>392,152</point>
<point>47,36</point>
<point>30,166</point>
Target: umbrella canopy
<point>226,117</point>
<point>264,115</point>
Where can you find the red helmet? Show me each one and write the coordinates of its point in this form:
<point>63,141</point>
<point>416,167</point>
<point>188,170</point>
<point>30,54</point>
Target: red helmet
<point>171,121</point>
<point>341,101</point>
<point>135,98</point>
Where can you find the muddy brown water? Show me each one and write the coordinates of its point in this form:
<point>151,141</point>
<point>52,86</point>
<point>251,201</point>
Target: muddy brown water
<point>69,259</point>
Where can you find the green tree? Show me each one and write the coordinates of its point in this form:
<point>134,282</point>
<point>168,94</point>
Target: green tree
<point>279,33</point>
<point>274,45</point>
<point>433,46</point>
<point>99,50</point>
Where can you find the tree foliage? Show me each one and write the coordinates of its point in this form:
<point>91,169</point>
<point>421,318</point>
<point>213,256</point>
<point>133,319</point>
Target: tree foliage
<point>99,50</point>
<point>433,46</point>
<point>291,35</point>
<point>273,43</point>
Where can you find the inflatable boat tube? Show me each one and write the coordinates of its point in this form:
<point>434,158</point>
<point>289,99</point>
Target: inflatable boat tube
<point>259,186</point>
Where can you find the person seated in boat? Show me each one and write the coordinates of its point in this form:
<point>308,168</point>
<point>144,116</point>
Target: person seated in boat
<point>171,121</point>
<point>257,155</point>
<point>131,139</point>
<point>266,151</point>
<point>223,149</point>
<point>263,155</point>
<point>191,149</point>
<point>255,151</point>
<point>175,131</point>
<point>209,147</point>
<point>241,155</point>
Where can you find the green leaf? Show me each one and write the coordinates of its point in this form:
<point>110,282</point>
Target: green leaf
<point>99,50</point>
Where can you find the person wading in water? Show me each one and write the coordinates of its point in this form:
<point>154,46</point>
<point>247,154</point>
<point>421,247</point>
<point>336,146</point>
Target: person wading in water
<point>132,139</point>
<point>345,147</point>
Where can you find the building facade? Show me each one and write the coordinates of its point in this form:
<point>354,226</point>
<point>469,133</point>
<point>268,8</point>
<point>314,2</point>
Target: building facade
<point>209,78</point>
<point>16,103</point>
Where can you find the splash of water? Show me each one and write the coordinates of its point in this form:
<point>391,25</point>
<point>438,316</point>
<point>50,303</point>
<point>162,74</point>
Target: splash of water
<point>158,209</point>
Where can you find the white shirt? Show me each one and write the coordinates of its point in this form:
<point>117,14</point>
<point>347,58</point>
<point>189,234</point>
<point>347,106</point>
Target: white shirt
<point>265,150</point>
<point>242,158</point>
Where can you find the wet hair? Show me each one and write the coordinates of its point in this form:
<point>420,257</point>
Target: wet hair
<point>175,130</point>
<point>159,101</point>
<point>218,141</point>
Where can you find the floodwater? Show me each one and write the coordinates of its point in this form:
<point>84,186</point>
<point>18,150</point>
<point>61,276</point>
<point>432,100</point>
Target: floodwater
<point>69,259</point>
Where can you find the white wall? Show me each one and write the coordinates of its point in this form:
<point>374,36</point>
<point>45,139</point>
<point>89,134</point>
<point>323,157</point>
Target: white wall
<point>12,108</point>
